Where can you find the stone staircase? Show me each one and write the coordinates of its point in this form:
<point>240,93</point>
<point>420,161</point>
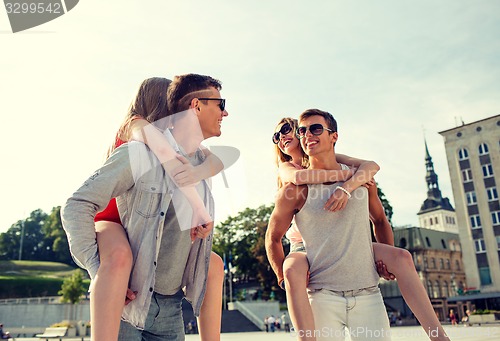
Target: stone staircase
<point>232,320</point>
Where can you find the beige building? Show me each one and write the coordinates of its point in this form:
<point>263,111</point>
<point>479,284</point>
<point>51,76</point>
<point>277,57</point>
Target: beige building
<point>438,260</point>
<point>436,251</point>
<point>473,153</point>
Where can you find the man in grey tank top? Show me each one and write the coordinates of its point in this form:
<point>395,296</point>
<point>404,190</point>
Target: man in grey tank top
<point>343,283</point>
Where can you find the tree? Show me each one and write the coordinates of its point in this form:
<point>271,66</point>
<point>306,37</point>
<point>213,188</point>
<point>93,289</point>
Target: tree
<point>56,237</point>
<point>243,237</point>
<point>72,288</point>
<point>385,203</point>
<point>43,239</point>
<point>29,233</point>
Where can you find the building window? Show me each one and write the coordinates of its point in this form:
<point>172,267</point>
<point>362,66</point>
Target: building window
<point>448,266</point>
<point>428,241</point>
<point>475,221</point>
<point>480,245</point>
<point>437,289</point>
<point>463,154</point>
<point>457,265</point>
<point>484,275</point>
<point>498,242</point>
<point>453,288</point>
<point>453,220</point>
<point>425,263</point>
<point>441,264</point>
<point>433,263</point>
<point>487,170</point>
<point>446,291</point>
<point>483,149</point>
<point>467,175</point>
<point>495,217</point>
<point>402,243</point>
<point>436,220</point>
<point>492,193</point>
<point>471,198</point>
<point>443,243</point>
<point>430,290</point>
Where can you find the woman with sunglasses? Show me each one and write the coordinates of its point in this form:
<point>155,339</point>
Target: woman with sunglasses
<point>292,164</point>
<point>109,291</point>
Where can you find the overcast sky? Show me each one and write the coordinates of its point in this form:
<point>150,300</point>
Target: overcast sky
<point>389,71</point>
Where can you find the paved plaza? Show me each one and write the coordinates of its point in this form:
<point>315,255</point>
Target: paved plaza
<point>461,333</point>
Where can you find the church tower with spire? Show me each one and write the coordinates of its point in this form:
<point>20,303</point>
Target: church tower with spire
<point>436,212</point>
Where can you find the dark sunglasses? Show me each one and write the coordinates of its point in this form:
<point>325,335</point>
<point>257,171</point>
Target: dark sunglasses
<point>222,103</point>
<point>285,129</point>
<point>315,129</point>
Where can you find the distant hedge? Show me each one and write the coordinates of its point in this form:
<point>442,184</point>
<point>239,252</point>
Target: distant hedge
<point>20,287</point>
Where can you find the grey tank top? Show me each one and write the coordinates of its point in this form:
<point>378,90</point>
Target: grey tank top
<point>338,244</point>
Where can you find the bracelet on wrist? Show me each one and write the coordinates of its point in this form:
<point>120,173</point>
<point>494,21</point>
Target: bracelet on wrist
<point>344,190</point>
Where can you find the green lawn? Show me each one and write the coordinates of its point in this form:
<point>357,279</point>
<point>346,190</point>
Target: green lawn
<point>32,278</point>
<point>17,268</point>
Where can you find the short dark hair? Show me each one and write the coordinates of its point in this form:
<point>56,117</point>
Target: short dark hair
<point>330,121</point>
<point>184,88</point>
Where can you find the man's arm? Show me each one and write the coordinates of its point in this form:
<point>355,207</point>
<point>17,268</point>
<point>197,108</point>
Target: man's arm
<point>383,231</point>
<point>285,207</point>
<point>111,180</point>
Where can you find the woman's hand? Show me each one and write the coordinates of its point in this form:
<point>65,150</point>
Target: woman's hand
<point>201,231</point>
<point>369,183</point>
<point>383,272</point>
<point>202,224</point>
<point>337,201</point>
<point>185,174</point>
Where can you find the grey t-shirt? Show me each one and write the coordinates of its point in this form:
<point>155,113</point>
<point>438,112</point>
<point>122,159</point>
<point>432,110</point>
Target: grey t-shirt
<point>176,240</point>
<point>339,245</point>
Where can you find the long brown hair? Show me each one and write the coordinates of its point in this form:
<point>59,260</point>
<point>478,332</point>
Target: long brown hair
<point>150,103</point>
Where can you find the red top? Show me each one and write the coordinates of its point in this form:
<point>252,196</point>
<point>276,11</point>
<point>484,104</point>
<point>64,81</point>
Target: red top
<point>110,213</point>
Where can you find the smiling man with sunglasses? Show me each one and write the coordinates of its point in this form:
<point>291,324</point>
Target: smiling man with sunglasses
<point>343,282</point>
<point>165,258</point>
<point>179,266</point>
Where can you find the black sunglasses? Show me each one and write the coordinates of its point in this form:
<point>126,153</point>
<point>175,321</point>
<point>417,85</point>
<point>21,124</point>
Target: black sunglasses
<point>222,103</point>
<point>285,129</point>
<point>315,129</point>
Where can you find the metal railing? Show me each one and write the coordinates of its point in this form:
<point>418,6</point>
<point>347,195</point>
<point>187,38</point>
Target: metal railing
<point>32,300</point>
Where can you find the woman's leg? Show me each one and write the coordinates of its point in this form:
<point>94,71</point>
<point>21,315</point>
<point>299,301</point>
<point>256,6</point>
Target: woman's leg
<point>209,321</point>
<point>107,295</point>
<point>295,270</point>
<point>400,263</point>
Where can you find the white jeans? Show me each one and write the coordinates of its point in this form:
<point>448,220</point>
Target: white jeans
<point>361,314</point>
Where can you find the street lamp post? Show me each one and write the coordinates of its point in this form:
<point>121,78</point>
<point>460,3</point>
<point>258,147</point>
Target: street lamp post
<point>22,241</point>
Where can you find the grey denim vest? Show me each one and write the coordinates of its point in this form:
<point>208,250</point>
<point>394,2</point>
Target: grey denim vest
<point>135,177</point>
